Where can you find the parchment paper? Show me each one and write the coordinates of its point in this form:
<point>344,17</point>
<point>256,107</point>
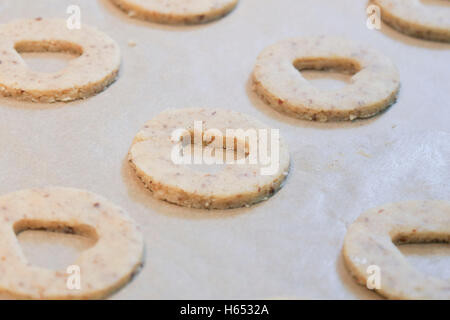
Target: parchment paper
<point>289,246</point>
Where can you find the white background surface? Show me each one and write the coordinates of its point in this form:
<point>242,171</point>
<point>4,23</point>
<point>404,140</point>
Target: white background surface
<point>289,246</point>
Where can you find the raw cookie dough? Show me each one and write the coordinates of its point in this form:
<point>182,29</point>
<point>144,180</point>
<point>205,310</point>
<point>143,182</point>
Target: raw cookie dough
<point>277,80</point>
<point>94,69</point>
<point>370,241</point>
<point>104,268</point>
<point>236,185</point>
<point>416,19</point>
<point>177,11</point>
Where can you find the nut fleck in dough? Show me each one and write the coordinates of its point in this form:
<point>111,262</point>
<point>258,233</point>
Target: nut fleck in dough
<point>370,241</point>
<point>94,69</point>
<point>277,80</point>
<point>104,268</point>
<point>416,19</point>
<point>236,185</point>
<point>177,11</point>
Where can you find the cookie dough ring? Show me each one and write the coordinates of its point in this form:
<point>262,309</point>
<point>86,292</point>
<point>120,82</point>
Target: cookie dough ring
<point>416,19</point>
<point>105,267</point>
<point>370,241</point>
<point>94,69</point>
<point>236,185</point>
<point>277,80</point>
<point>177,11</point>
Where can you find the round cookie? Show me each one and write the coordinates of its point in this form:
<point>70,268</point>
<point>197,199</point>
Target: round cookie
<point>416,19</point>
<point>370,241</point>
<point>277,80</point>
<point>235,185</point>
<point>177,11</point>
<point>104,268</point>
<point>94,69</point>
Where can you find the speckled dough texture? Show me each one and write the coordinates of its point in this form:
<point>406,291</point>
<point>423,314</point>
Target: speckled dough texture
<point>94,69</point>
<point>416,19</point>
<point>370,241</point>
<point>235,185</point>
<point>277,80</point>
<point>105,267</point>
<point>177,11</point>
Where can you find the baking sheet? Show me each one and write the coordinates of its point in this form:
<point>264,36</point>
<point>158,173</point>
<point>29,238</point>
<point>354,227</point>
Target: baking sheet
<point>289,246</point>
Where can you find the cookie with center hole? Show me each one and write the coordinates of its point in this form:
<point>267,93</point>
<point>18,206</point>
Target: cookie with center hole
<point>253,158</point>
<point>369,250</point>
<point>98,272</point>
<point>95,67</point>
<point>277,79</point>
<point>177,11</point>
<point>416,19</point>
